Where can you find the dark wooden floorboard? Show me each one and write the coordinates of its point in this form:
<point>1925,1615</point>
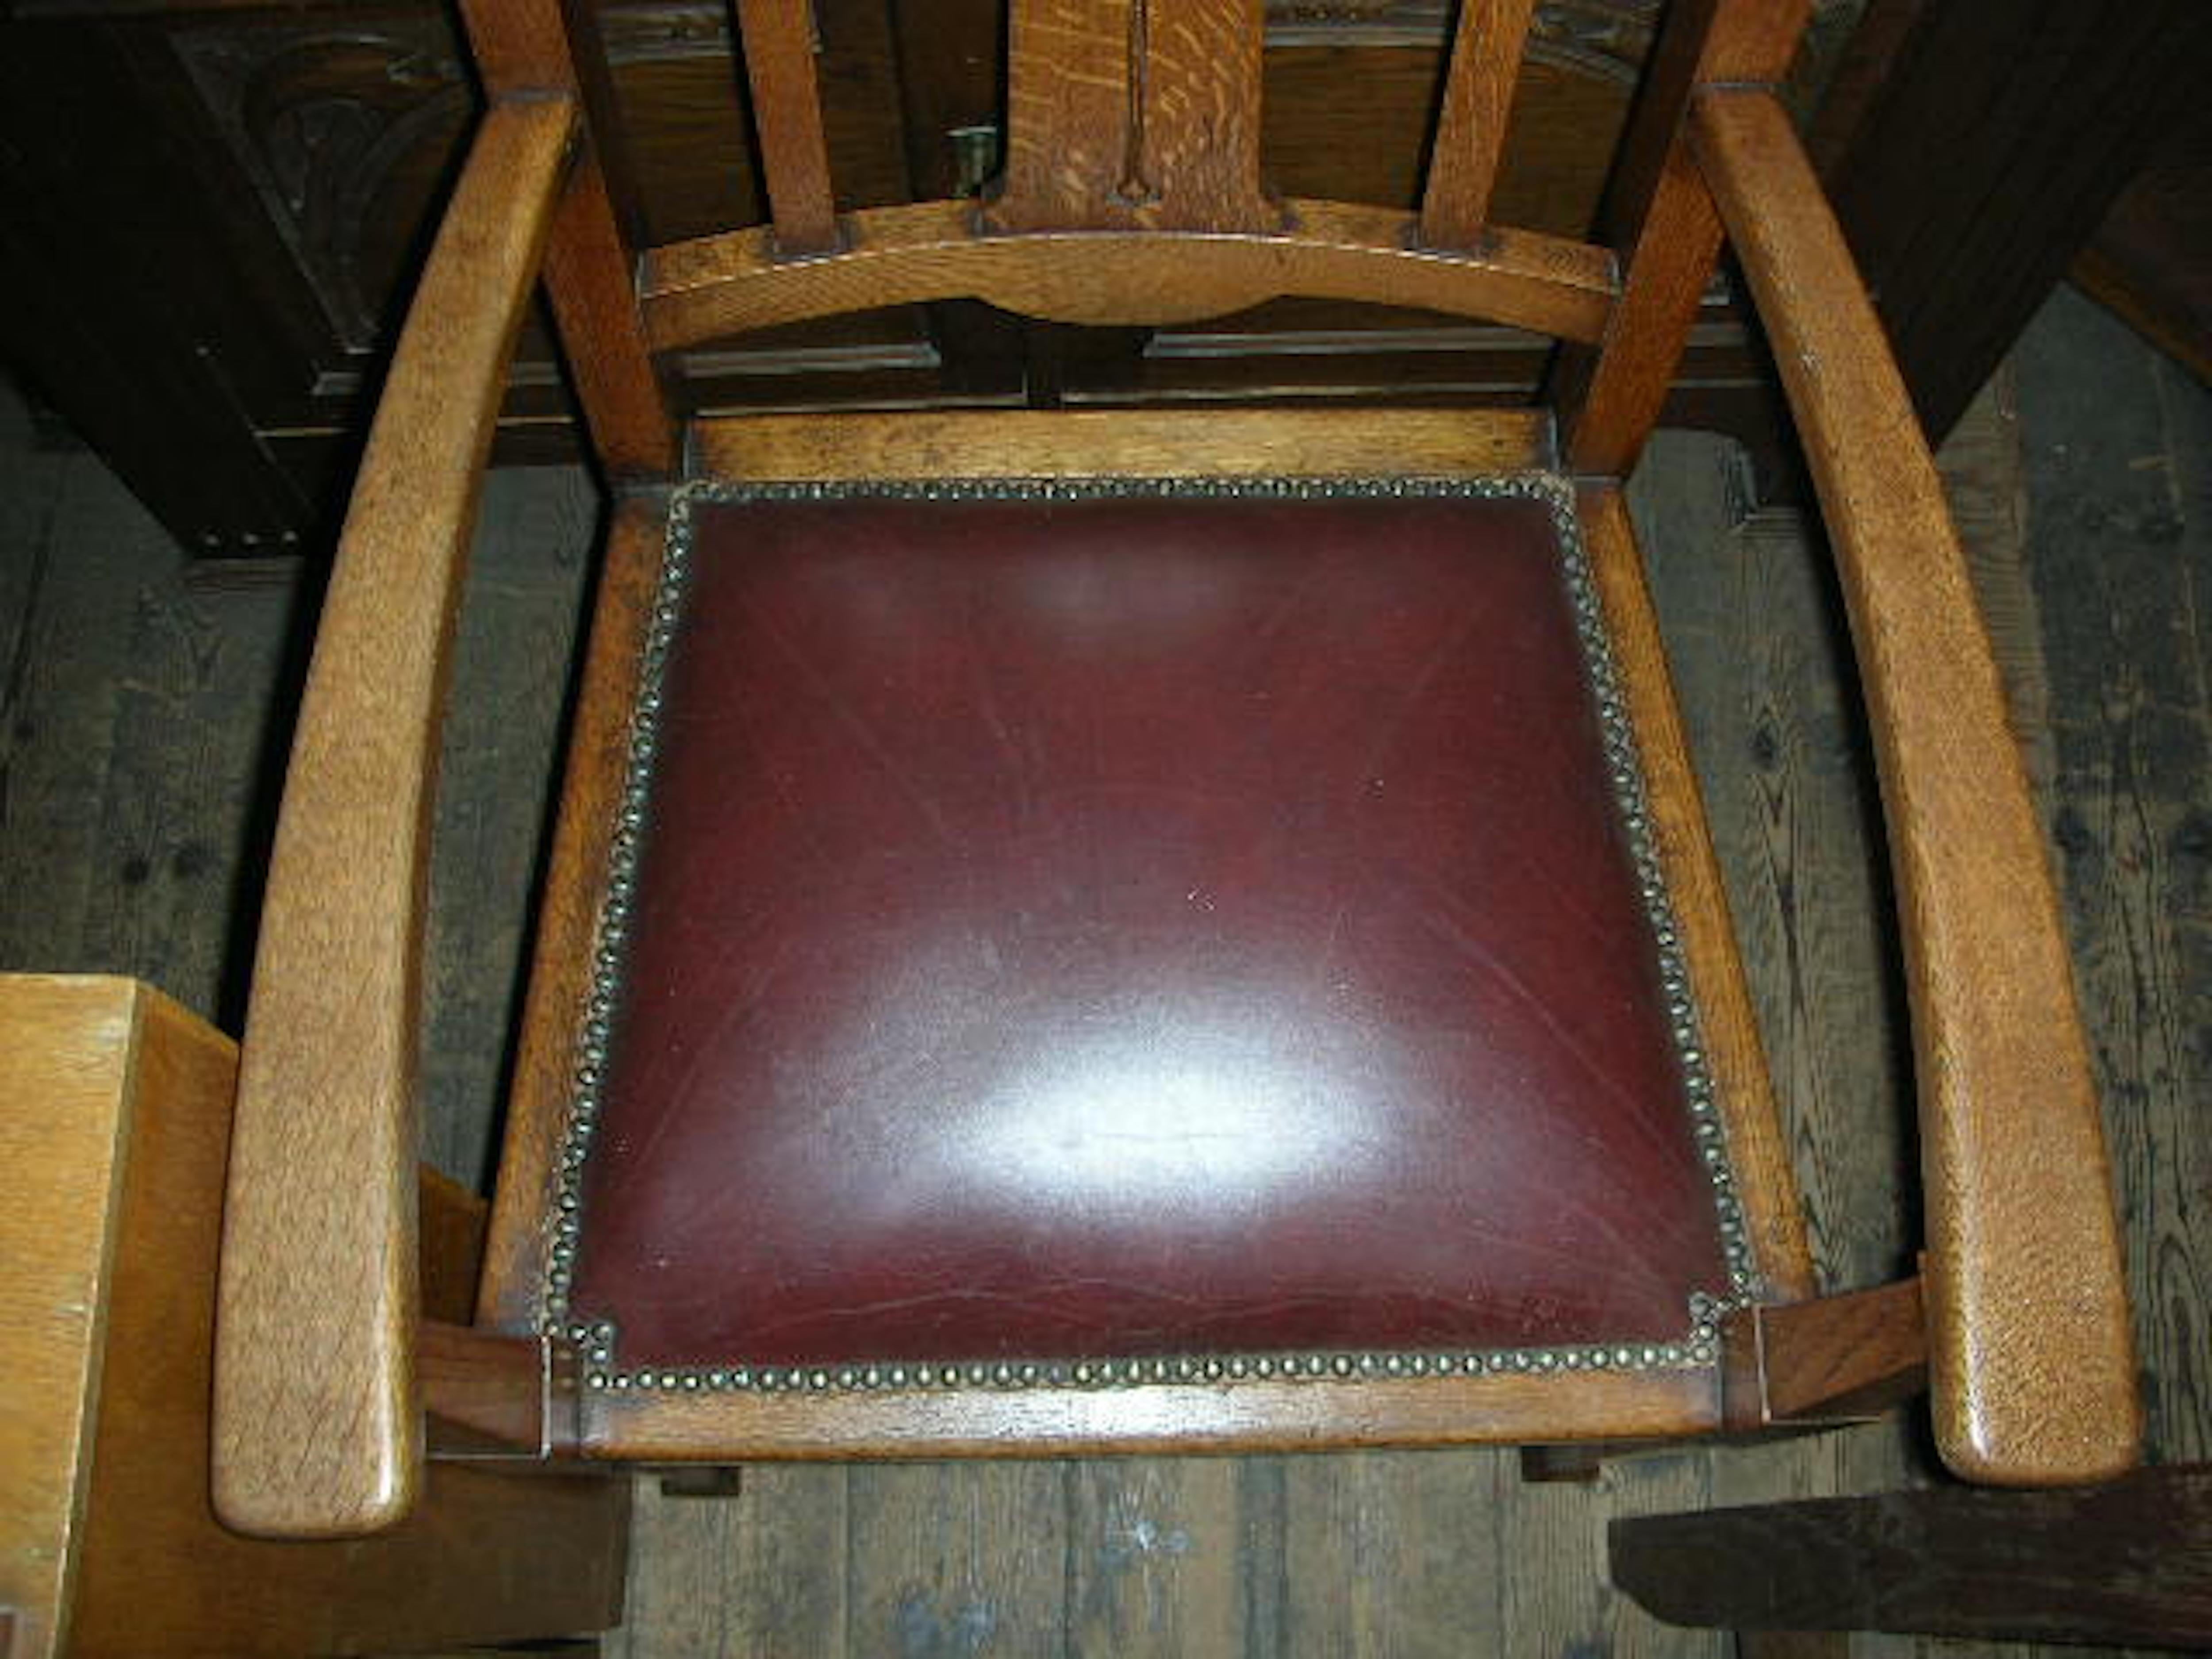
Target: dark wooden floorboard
<point>2120,449</point>
<point>141,700</point>
<point>511,678</point>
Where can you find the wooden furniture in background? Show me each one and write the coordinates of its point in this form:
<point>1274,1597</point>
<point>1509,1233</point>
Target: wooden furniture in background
<point>116,1128</point>
<point>1153,219</point>
<point>211,312</point>
<point>305,146</point>
<point>2151,259</point>
<point>2043,111</point>
<point>2128,1564</point>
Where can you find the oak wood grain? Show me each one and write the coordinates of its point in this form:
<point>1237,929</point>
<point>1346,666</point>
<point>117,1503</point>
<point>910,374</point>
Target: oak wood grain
<point>1126,114</point>
<point>67,1046</point>
<point>591,283</point>
<point>719,285</point>
<point>318,1426</point>
<point>778,54</point>
<point>1758,1146</point>
<point>135,1098</point>
<point>1659,215</point>
<point>450,1221</point>
<point>1485,65</point>
<point>519,47</point>
<point>484,1390</point>
<point>1248,1416</point>
<point>1133,443</point>
<point>1833,1359</point>
<point>2032,1358</point>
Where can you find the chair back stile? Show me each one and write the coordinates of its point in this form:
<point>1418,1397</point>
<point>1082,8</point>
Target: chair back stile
<point>531,48</point>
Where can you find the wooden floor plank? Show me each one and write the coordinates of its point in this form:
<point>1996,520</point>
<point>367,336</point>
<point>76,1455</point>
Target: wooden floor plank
<point>1551,1603</point>
<point>1669,1483</point>
<point>512,657</point>
<point>1389,1552</point>
<point>132,745</point>
<point>1156,1557</point>
<point>2120,534</point>
<point>763,1572</point>
<point>946,1561</point>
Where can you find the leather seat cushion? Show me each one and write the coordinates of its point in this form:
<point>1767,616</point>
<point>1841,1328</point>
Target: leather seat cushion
<point>1134,927</point>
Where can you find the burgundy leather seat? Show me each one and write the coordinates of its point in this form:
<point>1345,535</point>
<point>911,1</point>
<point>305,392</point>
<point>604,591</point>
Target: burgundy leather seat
<point>1082,925</point>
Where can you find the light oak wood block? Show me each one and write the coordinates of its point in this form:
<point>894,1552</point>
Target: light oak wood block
<point>116,1125</point>
<point>1506,1407</point>
<point>1832,1359</point>
<point>66,1048</point>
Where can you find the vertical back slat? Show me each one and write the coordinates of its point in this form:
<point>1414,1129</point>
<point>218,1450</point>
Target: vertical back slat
<point>590,270</point>
<point>1133,114</point>
<point>1661,217</point>
<point>1485,63</point>
<point>779,42</point>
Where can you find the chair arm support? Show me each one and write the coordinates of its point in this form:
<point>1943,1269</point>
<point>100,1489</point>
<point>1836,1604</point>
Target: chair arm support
<point>317,1415</point>
<point>2031,1355</point>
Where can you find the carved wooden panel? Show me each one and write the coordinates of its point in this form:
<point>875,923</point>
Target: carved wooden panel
<point>342,135</point>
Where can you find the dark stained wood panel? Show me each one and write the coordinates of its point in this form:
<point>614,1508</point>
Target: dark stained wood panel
<point>2041,112</point>
<point>2131,1562</point>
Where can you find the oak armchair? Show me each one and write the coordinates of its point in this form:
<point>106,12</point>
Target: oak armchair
<point>1085,931</point>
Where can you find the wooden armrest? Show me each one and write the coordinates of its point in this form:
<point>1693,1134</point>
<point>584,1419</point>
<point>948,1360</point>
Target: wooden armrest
<point>318,1420</point>
<point>2031,1357</point>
